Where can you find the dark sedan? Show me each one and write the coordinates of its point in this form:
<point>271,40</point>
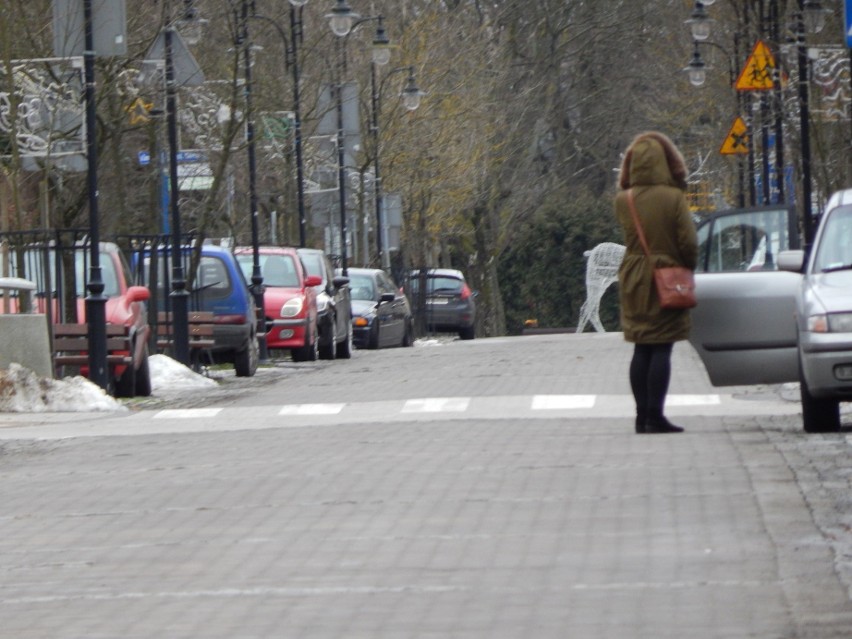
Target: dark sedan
<point>381,315</point>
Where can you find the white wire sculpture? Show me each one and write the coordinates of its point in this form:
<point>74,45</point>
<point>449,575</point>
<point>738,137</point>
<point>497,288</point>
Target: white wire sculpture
<point>602,264</point>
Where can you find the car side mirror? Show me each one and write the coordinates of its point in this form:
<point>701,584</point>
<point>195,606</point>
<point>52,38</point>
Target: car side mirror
<point>791,260</point>
<point>313,280</point>
<point>138,294</point>
<point>340,281</point>
<point>387,297</point>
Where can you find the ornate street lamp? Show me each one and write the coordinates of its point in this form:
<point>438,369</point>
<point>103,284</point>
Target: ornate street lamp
<point>411,100</point>
<point>256,274</point>
<point>343,22</point>
<point>699,22</point>
<point>291,61</point>
<point>813,16</point>
<point>95,300</point>
<point>342,19</point>
<point>696,70</point>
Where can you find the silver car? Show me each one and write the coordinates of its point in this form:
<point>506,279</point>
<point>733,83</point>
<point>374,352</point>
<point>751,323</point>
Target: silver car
<point>769,313</point>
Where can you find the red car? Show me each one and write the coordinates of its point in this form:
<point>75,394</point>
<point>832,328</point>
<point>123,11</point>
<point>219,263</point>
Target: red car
<point>125,305</point>
<point>289,299</point>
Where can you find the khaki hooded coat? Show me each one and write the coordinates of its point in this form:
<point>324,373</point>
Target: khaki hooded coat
<point>670,233</point>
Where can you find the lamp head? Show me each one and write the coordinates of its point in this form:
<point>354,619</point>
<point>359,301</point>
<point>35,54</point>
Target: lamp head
<point>411,94</point>
<point>699,22</point>
<point>342,18</point>
<point>190,24</point>
<point>696,69</point>
<point>813,15</point>
<point>381,45</point>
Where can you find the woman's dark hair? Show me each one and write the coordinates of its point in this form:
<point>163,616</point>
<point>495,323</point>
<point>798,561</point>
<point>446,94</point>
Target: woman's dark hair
<point>677,165</point>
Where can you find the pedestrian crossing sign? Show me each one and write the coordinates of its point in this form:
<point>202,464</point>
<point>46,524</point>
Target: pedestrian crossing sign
<point>737,141</point>
<point>759,71</point>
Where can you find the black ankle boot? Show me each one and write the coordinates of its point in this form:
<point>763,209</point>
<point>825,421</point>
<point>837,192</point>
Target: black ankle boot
<point>661,425</point>
<point>641,418</point>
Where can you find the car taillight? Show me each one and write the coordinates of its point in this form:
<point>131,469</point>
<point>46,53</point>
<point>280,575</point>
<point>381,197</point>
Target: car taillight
<point>229,319</point>
<point>465,292</point>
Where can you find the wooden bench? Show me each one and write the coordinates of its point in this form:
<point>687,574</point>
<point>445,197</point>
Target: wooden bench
<point>71,345</point>
<point>200,326</point>
<point>200,329</point>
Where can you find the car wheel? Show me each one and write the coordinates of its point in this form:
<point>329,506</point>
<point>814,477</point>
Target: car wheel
<point>819,415</point>
<point>309,352</point>
<point>344,349</point>
<point>328,349</point>
<point>143,377</point>
<point>408,335</point>
<point>374,337</point>
<point>467,332</point>
<point>245,360</point>
<point>126,384</point>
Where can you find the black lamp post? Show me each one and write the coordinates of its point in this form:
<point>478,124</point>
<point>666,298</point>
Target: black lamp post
<point>811,19</point>
<point>411,99</point>
<point>95,301</point>
<point>291,60</point>
<point>256,275</point>
<point>697,73</point>
<point>343,21</point>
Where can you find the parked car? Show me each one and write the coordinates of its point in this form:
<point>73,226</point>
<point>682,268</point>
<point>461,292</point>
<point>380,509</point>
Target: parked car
<point>218,287</point>
<point>125,304</point>
<point>381,315</point>
<point>289,300</point>
<point>334,307</point>
<point>449,303</point>
<point>770,313</point>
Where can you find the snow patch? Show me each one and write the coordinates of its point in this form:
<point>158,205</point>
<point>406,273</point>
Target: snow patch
<point>169,374</point>
<point>22,391</point>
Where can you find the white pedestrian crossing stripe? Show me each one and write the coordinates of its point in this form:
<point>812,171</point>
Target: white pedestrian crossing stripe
<point>485,407</point>
<point>187,413</point>
<point>311,409</point>
<point>437,405</point>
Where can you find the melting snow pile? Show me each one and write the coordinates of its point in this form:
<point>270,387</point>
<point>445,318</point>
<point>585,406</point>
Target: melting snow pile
<point>22,391</point>
<point>169,374</point>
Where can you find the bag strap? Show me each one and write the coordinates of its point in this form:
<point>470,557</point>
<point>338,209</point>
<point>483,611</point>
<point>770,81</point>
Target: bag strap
<point>632,205</point>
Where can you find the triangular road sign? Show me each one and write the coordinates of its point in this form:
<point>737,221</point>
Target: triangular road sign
<point>758,71</point>
<point>737,141</point>
<point>187,71</point>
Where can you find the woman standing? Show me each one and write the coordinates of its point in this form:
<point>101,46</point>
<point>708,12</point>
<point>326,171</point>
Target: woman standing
<point>655,171</point>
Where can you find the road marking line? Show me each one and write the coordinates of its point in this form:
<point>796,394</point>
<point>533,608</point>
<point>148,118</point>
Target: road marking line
<point>311,409</point>
<point>436,405</point>
<point>562,402</point>
<point>187,413</point>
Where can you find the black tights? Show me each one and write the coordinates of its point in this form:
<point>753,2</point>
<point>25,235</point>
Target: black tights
<point>650,372</point>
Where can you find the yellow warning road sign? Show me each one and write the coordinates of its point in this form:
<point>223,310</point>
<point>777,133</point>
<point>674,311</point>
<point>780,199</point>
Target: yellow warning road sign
<point>139,111</point>
<point>737,140</point>
<point>759,70</point>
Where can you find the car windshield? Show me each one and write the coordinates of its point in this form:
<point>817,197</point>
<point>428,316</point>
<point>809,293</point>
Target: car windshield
<point>439,285</point>
<point>277,270</point>
<point>835,247</point>
<point>34,270</point>
<point>747,240</point>
<point>362,287</point>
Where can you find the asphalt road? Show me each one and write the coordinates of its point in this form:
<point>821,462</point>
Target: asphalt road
<point>491,488</point>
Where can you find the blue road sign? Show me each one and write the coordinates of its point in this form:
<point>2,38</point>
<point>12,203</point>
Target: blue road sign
<point>848,4</point>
